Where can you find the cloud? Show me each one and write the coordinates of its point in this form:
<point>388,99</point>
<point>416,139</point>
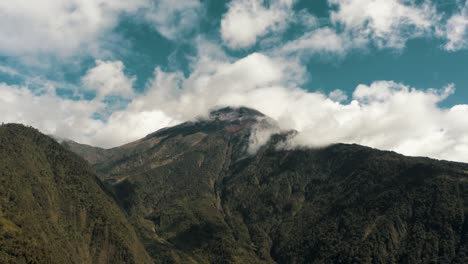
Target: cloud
<point>386,115</point>
<point>72,119</point>
<point>387,23</point>
<point>216,82</point>
<point>174,19</point>
<point>46,111</point>
<point>51,31</point>
<point>383,114</point>
<point>456,30</point>
<point>9,71</point>
<point>322,41</point>
<point>247,20</point>
<point>107,78</point>
<point>261,133</point>
<point>338,96</point>
<point>58,27</point>
<point>355,25</point>
<point>126,126</point>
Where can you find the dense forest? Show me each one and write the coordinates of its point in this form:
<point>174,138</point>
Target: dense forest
<point>53,209</point>
<point>193,193</point>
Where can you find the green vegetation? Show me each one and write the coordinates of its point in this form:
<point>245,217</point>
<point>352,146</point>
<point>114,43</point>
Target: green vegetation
<point>54,210</point>
<point>192,194</point>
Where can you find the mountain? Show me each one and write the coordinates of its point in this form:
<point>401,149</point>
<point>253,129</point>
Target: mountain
<point>53,208</point>
<point>222,190</point>
<point>199,192</point>
<point>92,154</point>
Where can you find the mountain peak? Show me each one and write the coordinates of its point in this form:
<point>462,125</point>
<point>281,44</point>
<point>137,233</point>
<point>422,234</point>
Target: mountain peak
<point>234,113</point>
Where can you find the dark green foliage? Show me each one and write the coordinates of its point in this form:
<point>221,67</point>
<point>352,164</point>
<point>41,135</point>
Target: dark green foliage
<point>54,210</point>
<point>195,195</point>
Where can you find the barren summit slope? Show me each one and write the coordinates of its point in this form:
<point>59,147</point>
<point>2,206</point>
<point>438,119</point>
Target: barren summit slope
<point>195,194</point>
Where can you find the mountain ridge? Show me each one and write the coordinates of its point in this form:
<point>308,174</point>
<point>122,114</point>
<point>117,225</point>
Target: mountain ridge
<point>197,188</point>
<point>195,193</point>
<point>231,114</point>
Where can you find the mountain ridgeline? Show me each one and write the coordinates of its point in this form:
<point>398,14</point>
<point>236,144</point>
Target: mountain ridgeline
<point>195,193</point>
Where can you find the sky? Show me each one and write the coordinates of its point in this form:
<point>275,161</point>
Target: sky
<point>389,74</point>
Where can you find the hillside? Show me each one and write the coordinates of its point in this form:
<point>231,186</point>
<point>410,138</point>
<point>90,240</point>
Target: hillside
<point>53,209</point>
<point>196,194</point>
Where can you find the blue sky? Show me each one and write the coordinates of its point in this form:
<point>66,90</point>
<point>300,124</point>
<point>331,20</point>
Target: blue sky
<point>107,72</point>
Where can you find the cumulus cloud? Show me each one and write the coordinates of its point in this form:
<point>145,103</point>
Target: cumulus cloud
<point>352,24</point>
<point>70,28</point>
<point>61,28</point>
<point>47,111</point>
<point>456,30</point>
<point>217,82</point>
<point>72,119</point>
<point>388,115</point>
<point>338,95</point>
<point>67,28</point>
<point>247,20</point>
<point>387,23</point>
<point>355,25</point>
<point>107,78</point>
<point>174,19</point>
<point>383,114</point>
<point>126,126</point>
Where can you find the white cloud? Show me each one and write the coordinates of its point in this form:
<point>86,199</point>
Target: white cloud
<point>47,111</point>
<point>34,30</point>
<point>66,28</point>
<point>317,42</point>
<point>216,82</point>
<point>338,96</point>
<point>107,78</point>
<point>59,27</point>
<point>71,119</point>
<point>174,19</point>
<point>456,30</point>
<point>8,70</point>
<point>261,133</point>
<point>384,114</point>
<point>356,25</point>
<point>247,20</point>
<point>128,125</point>
<point>387,23</point>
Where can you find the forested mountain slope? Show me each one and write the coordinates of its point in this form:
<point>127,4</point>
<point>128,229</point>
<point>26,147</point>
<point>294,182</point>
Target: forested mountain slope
<point>196,194</point>
<point>53,209</point>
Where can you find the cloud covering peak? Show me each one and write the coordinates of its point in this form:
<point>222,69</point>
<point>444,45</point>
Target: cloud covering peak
<point>383,114</point>
<point>258,54</point>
